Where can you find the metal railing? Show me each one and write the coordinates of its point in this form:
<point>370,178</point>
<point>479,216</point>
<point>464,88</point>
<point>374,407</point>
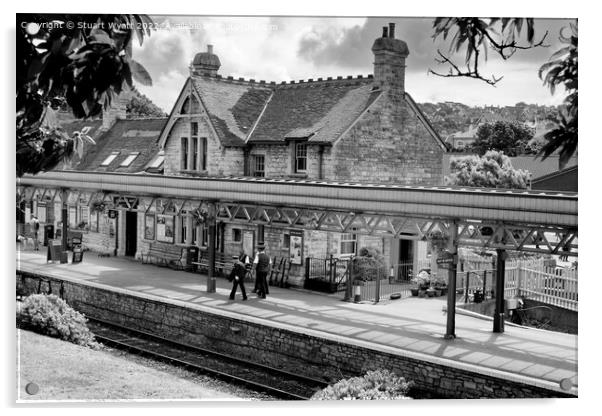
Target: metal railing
<point>328,274</point>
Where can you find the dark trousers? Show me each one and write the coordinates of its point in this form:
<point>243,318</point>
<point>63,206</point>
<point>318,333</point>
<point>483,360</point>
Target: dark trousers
<point>256,287</point>
<point>235,284</point>
<point>262,284</point>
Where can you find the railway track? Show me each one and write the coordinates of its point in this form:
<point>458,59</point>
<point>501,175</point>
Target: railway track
<point>276,382</point>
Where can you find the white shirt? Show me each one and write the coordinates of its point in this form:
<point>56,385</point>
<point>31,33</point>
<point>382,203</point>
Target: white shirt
<point>257,258</point>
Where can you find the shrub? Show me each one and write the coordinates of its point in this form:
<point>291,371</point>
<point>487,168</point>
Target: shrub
<point>368,263</point>
<point>374,385</point>
<point>50,315</point>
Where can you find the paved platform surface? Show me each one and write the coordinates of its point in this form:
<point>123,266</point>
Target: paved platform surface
<point>412,327</point>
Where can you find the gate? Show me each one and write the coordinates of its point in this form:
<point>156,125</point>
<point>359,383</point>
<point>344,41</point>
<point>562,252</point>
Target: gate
<point>326,274</point>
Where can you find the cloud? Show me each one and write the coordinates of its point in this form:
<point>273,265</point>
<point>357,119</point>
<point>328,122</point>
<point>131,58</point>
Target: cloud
<point>294,48</point>
<point>351,46</point>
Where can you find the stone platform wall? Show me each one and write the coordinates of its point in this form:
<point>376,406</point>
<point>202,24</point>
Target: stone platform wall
<point>300,350</point>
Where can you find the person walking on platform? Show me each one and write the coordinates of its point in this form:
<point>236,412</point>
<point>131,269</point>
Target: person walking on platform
<point>262,265</point>
<point>35,228</point>
<point>239,271</point>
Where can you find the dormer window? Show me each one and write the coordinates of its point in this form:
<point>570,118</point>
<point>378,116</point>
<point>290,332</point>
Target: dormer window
<point>109,159</point>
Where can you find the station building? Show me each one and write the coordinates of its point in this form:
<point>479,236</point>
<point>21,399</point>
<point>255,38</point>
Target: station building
<point>359,129</point>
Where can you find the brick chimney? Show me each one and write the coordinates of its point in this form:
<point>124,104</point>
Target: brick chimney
<point>390,61</point>
<point>205,63</point>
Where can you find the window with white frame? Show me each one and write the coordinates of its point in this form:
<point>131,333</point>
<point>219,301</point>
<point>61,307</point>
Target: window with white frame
<point>259,166</point>
<point>83,219</point>
<point>200,236</point>
<point>42,213</point>
<point>109,159</point>
<point>72,217</point>
<point>94,219</point>
<point>300,157</point>
<point>348,244</point>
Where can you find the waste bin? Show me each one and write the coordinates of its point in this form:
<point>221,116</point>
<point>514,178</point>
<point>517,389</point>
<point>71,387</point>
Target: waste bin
<point>78,254</point>
<point>192,254</point>
<point>48,233</point>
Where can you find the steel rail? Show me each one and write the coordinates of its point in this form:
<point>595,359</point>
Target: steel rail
<point>141,336</point>
<point>516,206</point>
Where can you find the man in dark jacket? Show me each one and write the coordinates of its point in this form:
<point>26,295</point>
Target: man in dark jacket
<point>239,272</point>
<point>262,265</point>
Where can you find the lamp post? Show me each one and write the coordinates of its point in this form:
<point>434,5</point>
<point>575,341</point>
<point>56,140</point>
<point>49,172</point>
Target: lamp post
<point>210,221</point>
<point>450,332</point>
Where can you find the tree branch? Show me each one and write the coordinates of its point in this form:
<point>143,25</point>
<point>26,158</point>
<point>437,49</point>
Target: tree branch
<point>455,72</point>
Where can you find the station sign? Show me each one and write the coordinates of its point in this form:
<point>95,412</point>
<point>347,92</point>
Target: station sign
<point>446,260</point>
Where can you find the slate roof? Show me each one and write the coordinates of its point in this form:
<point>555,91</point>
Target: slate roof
<point>246,111</point>
<point>319,112</point>
<point>232,107</point>
<point>125,136</point>
<point>258,112</point>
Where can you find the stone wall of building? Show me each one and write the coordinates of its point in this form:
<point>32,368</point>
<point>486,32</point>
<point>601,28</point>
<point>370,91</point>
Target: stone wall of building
<point>103,240</point>
<point>388,144</point>
<point>308,352</point>
<point>221,160</point>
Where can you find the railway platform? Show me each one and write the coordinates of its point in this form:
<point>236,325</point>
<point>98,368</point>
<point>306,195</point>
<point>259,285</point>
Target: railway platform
<point>411,327</point>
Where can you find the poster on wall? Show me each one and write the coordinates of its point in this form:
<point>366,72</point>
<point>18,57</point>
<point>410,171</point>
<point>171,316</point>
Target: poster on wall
<point>248,242</point>
<point>296,247</point>
<point>165,228</point>
<point>149,226</point>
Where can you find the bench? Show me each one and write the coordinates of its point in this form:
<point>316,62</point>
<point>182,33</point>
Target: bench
<point>165,255</point>
<point>222,261</point>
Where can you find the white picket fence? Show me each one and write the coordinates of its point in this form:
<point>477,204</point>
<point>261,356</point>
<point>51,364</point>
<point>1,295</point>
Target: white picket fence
<point>553,289</point>
<point>531,279</point>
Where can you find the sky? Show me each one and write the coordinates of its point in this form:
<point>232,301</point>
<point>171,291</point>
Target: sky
<point>293,48</point>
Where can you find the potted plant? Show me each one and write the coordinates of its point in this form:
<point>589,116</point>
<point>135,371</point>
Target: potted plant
<point>440,285</point>
<point>422,281</point>
<point>430,292</point>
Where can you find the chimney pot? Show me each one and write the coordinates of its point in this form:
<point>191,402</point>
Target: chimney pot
<point>209,48</point>
<point>385,32</point>
<point>392,30</point>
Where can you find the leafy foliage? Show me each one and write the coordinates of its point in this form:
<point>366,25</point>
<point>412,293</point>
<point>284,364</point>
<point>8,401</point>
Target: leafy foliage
<point>511,138</point>
<point>374,385</point>
<point>368,263</point>
<point>141,106</point>
<point>492,170</point>
<point>78,60</point>
<point>479,35</point>
<point>50,315</point>
<point>561,70</point>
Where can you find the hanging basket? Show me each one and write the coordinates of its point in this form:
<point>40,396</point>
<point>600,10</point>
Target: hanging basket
<point>438,239</point>
<point>98,206</point>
